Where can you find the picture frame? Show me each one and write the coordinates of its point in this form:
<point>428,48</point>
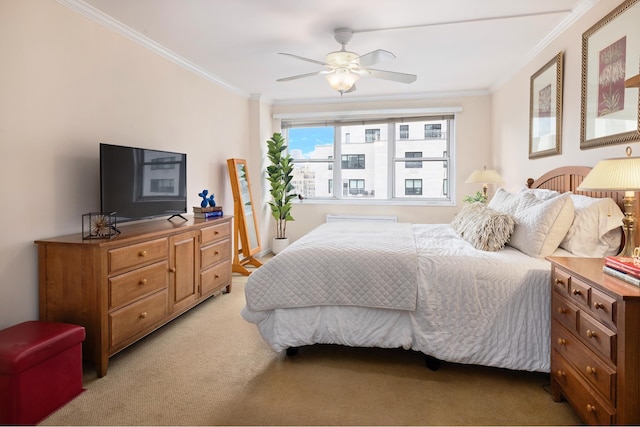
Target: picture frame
<point>609,112</point>
<point>545,109</point>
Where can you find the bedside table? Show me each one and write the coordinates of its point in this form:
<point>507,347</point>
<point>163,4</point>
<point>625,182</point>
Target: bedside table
<point>595,341</point>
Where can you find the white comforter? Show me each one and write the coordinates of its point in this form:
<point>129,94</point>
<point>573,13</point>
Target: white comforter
<point>475,307</point>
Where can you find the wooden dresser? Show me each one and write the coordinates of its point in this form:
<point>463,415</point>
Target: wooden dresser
<point>125,288</point>
<point>595,342</point>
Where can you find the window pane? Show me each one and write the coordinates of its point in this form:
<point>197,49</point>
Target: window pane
<point>429,181</point>
<point>313,179</point>
<point>311,143</point>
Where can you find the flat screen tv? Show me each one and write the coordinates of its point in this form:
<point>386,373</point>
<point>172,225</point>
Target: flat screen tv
<point>140,183</point>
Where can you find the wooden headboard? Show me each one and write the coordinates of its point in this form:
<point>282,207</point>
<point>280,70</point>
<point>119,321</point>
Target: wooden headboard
<point>568,178</point>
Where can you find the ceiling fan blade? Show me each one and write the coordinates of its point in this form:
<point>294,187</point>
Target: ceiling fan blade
<point>392,75</point>
<point>375,57</point>
<point>304,59</point>
<point>301,76</point>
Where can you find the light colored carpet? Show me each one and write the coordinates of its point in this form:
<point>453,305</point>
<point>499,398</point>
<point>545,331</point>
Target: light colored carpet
<point>210,367</point>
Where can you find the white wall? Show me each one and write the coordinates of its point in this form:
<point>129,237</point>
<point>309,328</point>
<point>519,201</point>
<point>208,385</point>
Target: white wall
<point>510,107</point>
<point>67,84</point>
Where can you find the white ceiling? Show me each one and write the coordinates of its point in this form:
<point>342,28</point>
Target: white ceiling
<point>452,46</point>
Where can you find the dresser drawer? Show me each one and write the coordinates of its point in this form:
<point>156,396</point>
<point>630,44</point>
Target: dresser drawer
<point>139,254</point>
<point>595,371</point>
<point>603,308</point>
<point>215,277</point>
<point>135,284</point>
<point>214,253</point>
<point>579,292</point>
<point>215,232</point>
<point>598,337</point>
<point>565,312</point>
<point>560,281</point>
<point>588,406</point>
<point>135,318</point>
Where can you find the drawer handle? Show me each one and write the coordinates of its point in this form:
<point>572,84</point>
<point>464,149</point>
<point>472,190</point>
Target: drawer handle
<point>559,281</point>
<point>562,341</point>
<point>591,408</point>
<point>142,253</point>
<point>591,371</point>
<point>577,292</point>
<point>143,281</point>
<point>217,276</point>
<point>143,315</point>
<point>562,311</point>
<point>216,232</point>
<point>216,253</point>
<point>560,374</point>
<point>598,306</point>
<point>591,334</point>
<point>172,269</point>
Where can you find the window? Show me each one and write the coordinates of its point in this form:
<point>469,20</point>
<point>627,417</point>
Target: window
<point>385,161</point>
<point>404,131</point>
<point>352,161</point>
<point>410,154</point>
<point>371,135</point>
<point>413,187</point>
<point>432,130</point>
<point>162,186</point>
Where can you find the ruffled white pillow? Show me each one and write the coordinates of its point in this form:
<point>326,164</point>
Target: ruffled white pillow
<point>596,229</point>
<point>483,227</point>
<point>541,224</point>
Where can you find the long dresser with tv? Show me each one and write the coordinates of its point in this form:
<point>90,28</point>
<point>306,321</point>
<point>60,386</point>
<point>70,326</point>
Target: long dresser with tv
<point>123,288</point>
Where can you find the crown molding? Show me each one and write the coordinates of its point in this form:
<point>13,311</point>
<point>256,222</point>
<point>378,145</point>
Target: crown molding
<point>105,20</point>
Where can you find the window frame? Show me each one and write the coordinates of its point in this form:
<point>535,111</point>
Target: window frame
<point>449,118</point>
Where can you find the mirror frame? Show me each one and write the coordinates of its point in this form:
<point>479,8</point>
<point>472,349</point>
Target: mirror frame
<point>245,243</point>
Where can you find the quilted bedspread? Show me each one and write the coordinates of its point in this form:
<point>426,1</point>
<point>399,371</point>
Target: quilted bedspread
<point>354,264</point>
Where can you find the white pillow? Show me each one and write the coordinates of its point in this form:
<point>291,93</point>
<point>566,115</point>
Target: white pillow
<point>540,193</point>
<point>541,224</point>
<point>596,229</point>
<point>504,201</point>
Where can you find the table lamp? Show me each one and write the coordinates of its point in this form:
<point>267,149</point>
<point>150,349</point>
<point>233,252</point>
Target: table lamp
<point>620,174</point>
<point>484,176</point>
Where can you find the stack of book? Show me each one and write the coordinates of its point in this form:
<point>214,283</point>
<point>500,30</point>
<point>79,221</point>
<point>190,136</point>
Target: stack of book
<point>625,268</point>
<point>207,212</point>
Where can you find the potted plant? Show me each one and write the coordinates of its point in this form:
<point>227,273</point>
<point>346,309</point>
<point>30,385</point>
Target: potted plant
<point>279,174</point>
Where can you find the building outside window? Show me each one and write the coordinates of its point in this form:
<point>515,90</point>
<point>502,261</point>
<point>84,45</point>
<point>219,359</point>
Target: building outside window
<point>385,160</point>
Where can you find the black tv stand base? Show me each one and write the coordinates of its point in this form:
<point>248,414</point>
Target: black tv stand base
<point>178,215</point>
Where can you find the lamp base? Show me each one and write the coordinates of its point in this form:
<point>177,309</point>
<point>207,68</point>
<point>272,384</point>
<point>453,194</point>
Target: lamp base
<point>629,228</point>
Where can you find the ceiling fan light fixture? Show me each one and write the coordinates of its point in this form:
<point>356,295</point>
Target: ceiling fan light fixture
<point>342,79</point>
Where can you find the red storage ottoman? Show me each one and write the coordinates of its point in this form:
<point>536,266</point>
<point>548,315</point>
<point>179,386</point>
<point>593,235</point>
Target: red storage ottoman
<point>40,369</point>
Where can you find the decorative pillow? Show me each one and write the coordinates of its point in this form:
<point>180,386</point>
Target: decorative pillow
<point>540,193</point>
<point>596,229</point>
<point>504,201</point>
<point>485,228</point>
<point>541,224</point>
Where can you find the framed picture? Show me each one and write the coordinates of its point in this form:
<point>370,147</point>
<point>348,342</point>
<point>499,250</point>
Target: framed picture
<point>545,110</point>
<point>610,53</point>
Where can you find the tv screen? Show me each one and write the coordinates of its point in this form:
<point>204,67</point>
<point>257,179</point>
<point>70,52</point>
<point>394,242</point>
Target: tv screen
<point>140,183</point>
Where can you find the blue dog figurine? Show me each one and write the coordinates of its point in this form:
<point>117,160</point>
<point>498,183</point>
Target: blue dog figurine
<point>206,200</point>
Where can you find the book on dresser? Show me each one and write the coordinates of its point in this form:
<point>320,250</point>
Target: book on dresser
<point>626,264</point>
<point>621,275</point>
<point>200,209</point>
<point>206,215</point>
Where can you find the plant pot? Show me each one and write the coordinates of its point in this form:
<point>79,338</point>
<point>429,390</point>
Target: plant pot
<point>278,245</point>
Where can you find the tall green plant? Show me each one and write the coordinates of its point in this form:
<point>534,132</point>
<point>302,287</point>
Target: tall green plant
<point>279,174</point>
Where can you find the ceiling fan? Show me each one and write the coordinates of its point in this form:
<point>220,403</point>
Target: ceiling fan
<point>343,67</point>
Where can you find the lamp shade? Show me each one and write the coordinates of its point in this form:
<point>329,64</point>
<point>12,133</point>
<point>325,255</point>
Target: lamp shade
<point>621,174</point>
<point>484,176</point>
<point>342,79</point>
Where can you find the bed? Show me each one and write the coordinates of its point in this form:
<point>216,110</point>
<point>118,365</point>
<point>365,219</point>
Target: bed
<point>437,288</point>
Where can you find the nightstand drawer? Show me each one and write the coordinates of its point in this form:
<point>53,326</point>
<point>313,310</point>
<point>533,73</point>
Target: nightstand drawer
<point>598,338</point>
<point>560,281</point>
<point>589,407</point>
<point>595,371</point>
<point>565,312</point>
<point>579,292</point>
<point>603,308</point>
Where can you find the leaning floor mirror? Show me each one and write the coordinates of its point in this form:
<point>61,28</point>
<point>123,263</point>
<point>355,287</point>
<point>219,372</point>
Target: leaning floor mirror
<point>246,237</point>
